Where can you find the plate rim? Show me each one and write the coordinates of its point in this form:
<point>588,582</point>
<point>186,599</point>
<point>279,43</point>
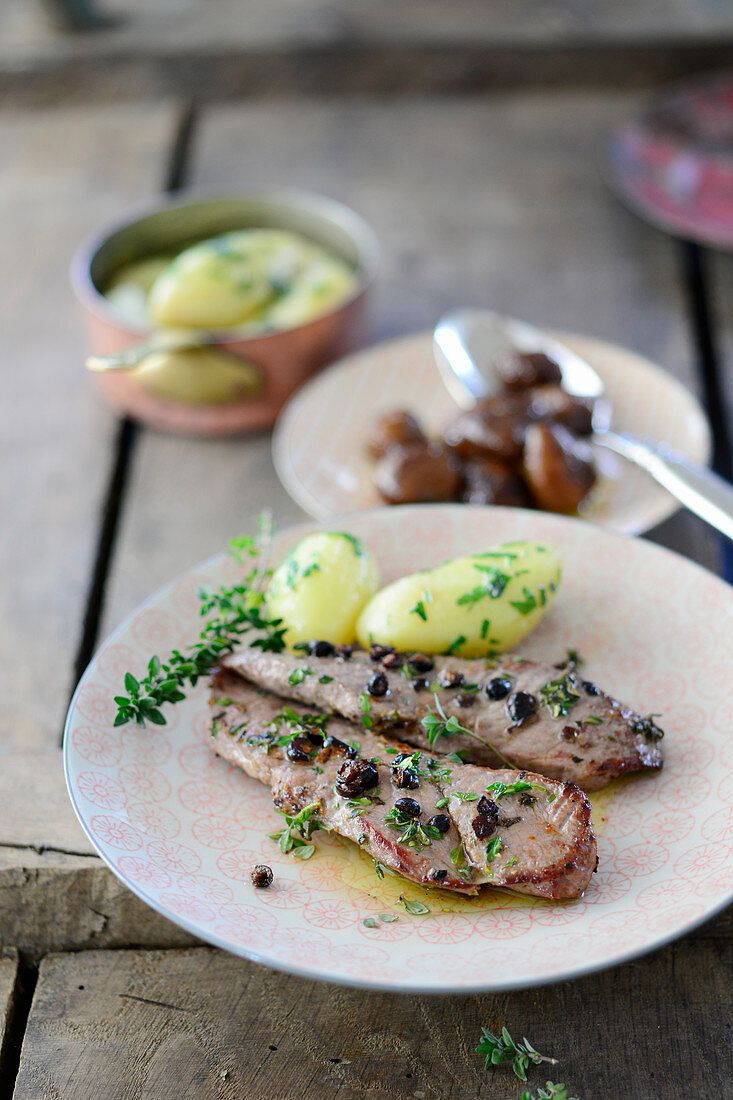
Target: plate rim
<point>311,505</point>
<point>403,987</point>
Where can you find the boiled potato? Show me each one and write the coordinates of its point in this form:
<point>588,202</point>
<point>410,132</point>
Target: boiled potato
<point>320,286</point>
<point>210,285</point>
<point>481,604</point>
<point>320,588</point>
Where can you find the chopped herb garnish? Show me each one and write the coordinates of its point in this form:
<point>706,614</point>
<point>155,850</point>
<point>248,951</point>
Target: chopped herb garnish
<point>222,701</point>
<point>365,704</point>
<point>528,604</point>
<point>414,834</point>
<point>549,1092</point>
<point>370,922</point>
<point>441,803</point>
<point>648,727</point>
<point>304,852</point>
<point>466,796</point>
<point>500,790</point>
<point>304,822</point>
<point>357,545</point>
<point>484,628</point>
<point>440,725</point>
<point>378,868</point>
<point>455,645</point>
<point>593,720</point>
<point>358,806</point>
<point>325,679</point>
<point>493,848</point>
<point>419,608</point>
<point>511,862</point>
<point>298,675</point>
<point>560,695</point>
<point>417,908</point>
<point>388,918</point>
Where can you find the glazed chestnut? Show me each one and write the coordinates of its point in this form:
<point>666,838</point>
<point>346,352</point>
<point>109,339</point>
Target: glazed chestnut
<point>557,467</point>
<point>521,370</point>
<point>354,777</point>
<point>261,875</point>
<point>484,433</point>
<point>488,481</point>
<point>418,474</point>
<point>553,404</point>
<point>393,429</point>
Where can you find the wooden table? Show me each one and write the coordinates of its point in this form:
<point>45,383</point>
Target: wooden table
<point>493,198</point>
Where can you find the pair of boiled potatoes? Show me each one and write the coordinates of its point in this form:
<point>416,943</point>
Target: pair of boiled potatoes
<point>478,605</point>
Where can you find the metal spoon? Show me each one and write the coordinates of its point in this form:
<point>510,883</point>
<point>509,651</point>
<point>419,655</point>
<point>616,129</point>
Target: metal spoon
<point>466,343</point>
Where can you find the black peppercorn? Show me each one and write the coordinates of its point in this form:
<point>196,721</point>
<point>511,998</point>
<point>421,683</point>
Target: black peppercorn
<point>315,736</point>
<point>450,678</point>
<point>527,799</point>
<point>421,663</point>
<point>405,778</point>
<point>488,808</point>
<point>320,649</point>
<point>377,652</point>
<point>438,876</point>
<point>261,875</point>
<point>590,688</point>
<point>408,807</point>
<point>354,777</point>
<point>441,822</point>
<point>344,652</point>
<point>465,699</point>
<point>393,660</point>
<point>419,684</point>
<point>569,733</point>
<point>521,705</point>
<point>378,684</point>
<point>498,688</point>
<point>299,750</point>
<point>483,826</point>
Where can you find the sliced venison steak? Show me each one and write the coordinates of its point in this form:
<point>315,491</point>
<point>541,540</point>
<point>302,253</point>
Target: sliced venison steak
<point>434,821</point>
<point>517,713</point>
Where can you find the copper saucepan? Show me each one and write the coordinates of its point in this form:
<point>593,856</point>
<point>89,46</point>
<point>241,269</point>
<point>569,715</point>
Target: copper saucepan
<point>252,377</point>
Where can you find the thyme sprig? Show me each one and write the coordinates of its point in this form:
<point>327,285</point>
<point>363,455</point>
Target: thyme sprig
<point>440,725</point>
<point>305,823</point>
<point>549,1092</point>
<point>233,610</point>
<point>501,790</point>
<point>498,1049</point>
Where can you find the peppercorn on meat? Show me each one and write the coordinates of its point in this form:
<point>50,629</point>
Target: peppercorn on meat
<point>429,818</point>
<point>511,711</point>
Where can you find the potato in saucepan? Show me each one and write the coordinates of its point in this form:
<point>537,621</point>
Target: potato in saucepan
<point>480,604</point>
<point>319,589</point>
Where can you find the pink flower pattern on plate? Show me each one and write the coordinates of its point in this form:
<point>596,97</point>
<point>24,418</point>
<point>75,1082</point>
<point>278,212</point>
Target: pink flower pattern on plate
<point>116,834</point>
<point>98,747</point>
<point>203,796</point>
<point>195,826</point>
<point>174,857</point>
<point>144,783</point>
<point>101,790</point>
<point>144,872</point>
<point>217,832</point>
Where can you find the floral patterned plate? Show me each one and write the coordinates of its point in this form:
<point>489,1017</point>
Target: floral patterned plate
<point>319,443</point>
<point>182,829</point>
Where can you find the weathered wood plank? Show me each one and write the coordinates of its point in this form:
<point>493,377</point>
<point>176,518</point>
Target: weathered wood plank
<point>8,979</point>
<point>63,172</point>
<point>199,1023</point>
<point>367,45</point>
<point>495,201</point>
<point>53,900</point>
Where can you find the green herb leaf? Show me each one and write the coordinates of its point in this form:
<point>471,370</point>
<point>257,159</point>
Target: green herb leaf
<point>415,907</point>
<point>370,922</point>
<point>560,695</point>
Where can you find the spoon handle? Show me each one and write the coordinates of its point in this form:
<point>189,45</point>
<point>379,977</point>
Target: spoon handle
<point>699,489</point>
